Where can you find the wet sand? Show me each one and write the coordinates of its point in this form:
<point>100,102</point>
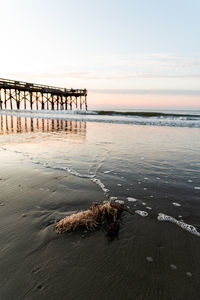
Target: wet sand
<point>147,262</point>
<point>32,199</point>
<point>151,259</point>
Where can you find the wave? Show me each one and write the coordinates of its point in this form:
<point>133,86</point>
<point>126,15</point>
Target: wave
<point>149,114</point>
<point>137,118</point>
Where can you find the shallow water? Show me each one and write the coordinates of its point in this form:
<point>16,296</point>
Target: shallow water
<point>152,169</point>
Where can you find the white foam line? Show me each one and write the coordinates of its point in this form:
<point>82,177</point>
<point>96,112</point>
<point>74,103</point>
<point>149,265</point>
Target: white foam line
<point>185,226</point>
<point>119,201</point>
<point>113,198</point>
<point>161,216</point>
<point>130,199</point>
<point>91,116</point>
<point>102,186</point>
<point>107,172</point>
<point>141,213</point>
<point>148,207</point>
<point>75,173</point>
<point>47,112</point>
<point>69,170</point>
<point>176,204</point>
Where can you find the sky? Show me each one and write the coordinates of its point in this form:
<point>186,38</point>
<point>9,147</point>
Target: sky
<point>127,53</point>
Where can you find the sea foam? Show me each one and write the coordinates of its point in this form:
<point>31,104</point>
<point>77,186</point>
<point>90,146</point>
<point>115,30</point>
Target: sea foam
<point>185,226</point>
<point>141,213</point>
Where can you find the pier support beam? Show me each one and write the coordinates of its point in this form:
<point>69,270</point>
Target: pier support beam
<point>31,100</point>
<point>35,96</point>
<point>47,102</point>
<point>36,100</point>
<point>66,103</point>
<point>0,100</point>
<point>70,103</point>
<point>86,107</point>
<point>5,99</point>
<point>52,102</point>
<point>57,100</point>
<point>11,107</point>
<point>61,103</point>
<point>24,100</point>
<point>18,104</point>
<point>42,101</point>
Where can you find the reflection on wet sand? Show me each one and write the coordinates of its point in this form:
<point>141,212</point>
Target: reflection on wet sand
<point>13,124</point>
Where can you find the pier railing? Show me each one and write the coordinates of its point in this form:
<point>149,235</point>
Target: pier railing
<point>25,95</point>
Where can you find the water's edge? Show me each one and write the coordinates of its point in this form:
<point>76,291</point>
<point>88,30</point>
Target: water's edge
<point>138,118</point>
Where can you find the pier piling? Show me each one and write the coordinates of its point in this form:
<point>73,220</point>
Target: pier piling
<point>15,94</point>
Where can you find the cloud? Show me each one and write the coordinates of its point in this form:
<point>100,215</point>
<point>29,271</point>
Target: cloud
<point>92,75</point>
<point>161,61</point>
<point>142,71</point>
<point>166,92</point>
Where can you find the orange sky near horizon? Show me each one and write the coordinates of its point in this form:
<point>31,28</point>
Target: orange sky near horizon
<point>110,101</point>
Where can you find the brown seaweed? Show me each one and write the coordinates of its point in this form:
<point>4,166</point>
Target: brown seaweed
<point>97,215</point>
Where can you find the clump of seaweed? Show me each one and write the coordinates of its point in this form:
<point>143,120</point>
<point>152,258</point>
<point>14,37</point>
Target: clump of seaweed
<point>96,216</point>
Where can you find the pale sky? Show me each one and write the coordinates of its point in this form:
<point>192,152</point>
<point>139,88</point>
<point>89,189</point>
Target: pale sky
<point>127,53</point>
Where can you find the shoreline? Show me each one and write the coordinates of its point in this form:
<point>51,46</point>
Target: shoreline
<point>135,118</point>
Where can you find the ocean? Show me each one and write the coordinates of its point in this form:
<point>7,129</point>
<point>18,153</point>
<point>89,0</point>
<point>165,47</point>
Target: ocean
<point>177,118</point>
<point>56,163</point>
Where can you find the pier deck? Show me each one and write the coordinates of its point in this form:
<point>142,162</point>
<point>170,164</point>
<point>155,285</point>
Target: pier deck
<point>24,95</point>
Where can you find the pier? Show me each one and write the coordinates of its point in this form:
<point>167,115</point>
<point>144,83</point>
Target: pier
<point>30,96</point>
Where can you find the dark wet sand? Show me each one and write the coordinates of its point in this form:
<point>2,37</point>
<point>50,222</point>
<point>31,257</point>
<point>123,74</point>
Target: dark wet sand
<point>36,263</point>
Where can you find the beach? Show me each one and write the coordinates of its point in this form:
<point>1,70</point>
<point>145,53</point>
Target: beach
<point>54,166</point>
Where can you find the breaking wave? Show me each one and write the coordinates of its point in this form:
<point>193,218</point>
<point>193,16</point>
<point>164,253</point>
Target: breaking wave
<point>191,119</point>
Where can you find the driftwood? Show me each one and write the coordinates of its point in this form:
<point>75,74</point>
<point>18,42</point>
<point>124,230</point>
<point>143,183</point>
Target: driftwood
<point>97,215</point>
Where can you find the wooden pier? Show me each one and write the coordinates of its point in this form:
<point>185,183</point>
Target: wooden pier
<point>24,95</point>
